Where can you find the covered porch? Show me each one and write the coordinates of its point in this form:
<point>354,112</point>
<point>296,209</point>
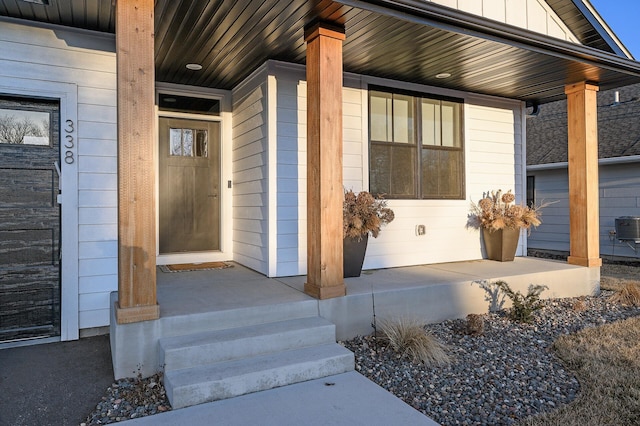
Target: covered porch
<point>200,301</point>
<point>327,38</point>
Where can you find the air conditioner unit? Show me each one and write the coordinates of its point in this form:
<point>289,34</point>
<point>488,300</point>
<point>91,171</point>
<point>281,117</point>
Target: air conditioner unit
<point>628,228</point>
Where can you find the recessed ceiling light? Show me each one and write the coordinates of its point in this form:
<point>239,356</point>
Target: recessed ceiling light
<point>194,67</point>
<point>443,75</point>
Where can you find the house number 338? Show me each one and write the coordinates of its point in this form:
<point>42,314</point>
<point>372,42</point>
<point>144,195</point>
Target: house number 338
<point>69,142</point>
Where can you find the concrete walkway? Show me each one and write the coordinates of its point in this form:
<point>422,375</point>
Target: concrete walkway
<point>344,399</point>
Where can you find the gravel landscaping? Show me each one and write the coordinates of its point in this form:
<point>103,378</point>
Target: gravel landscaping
<point>502,376</point>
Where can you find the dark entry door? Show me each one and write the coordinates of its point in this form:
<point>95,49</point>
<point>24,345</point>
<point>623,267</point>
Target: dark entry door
<point>189,189</point>
<point>29,219</point>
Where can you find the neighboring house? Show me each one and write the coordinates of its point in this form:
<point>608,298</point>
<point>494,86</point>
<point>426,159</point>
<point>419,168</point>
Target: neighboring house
<point>619,170</point>
<point>235,125</point>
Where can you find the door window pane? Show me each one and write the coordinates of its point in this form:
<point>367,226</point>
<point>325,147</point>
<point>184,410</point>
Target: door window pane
<point>25,127</point>
<point>202,149</point>
<point>188,142</point>
<point>175,142</point>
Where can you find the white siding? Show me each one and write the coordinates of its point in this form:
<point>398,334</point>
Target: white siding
<point>619,196</point>
<point>250,174</point>
<point>40,55</point>
<point>534,15</point>
<point>291,106</point>
<point>493,150</point>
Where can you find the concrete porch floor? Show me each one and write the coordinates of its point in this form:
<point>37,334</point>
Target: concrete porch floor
<point>430,292</point>
<point>192,302</point>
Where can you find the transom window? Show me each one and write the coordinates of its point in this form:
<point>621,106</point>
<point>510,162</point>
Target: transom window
<point>416,145</point>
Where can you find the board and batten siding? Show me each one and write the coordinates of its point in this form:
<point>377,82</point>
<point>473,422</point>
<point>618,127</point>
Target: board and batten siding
<point>41,55</point>
<point>250,173</point>
<point>534,15</point>
<point>619,191</point>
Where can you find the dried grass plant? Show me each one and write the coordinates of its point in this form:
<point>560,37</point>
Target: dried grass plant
<point>498,210</point>
<point>408,337</point>
<point>606,361</point>
<point>363,214</point>
<point>628,294</point>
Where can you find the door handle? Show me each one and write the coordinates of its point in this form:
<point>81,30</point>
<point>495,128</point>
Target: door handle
<point>57,166</point>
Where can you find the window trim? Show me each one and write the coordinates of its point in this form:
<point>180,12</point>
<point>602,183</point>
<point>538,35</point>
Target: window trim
<point>418,146</point>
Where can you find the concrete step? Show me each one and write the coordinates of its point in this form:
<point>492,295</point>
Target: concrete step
<point>228,379</point>
<point>209,347</point>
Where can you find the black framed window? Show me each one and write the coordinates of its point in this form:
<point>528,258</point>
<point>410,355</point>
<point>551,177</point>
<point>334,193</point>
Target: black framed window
<point>416,145</point>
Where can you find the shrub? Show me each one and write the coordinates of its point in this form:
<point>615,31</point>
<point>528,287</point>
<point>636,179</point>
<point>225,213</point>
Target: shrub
<point>408,337</point>
<point>523,306</point>
<point>628,294</point>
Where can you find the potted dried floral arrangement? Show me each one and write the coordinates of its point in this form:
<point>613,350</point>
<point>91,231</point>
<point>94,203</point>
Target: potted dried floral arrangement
<point>501,221</point>
<point>362,214</point>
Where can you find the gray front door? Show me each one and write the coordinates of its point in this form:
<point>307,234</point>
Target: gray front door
<point>189,185</point>
<point>29,219</point>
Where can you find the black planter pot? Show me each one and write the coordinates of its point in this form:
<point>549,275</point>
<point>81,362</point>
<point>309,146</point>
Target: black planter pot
<point>353,255</point>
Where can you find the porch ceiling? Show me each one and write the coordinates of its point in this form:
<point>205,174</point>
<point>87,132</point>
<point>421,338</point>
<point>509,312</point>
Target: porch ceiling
<point>406,40</point>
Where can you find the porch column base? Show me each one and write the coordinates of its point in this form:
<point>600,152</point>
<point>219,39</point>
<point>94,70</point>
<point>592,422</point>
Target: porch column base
<point>327,292</point>
<point>136,313</point>
<point>583,261</point>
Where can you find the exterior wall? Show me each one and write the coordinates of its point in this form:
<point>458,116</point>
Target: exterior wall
<point>534,15</point>
<point>619,196</point>
<point>43,56</point>
<point>494,160</point>
<point>250,173</point>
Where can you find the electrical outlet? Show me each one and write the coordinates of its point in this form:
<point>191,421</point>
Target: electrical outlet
<point>420,230</point>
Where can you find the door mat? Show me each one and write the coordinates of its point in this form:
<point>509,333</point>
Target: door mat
<point>186,267</point>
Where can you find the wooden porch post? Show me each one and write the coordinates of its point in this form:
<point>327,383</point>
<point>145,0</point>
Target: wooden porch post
<point>136,145</point>
<point>324,162</point>
<point>582,119</point>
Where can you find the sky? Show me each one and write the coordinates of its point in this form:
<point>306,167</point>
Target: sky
<point>622,16</point>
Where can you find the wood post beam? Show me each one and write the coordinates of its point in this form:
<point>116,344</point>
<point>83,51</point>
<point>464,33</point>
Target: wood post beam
<point>582,119</point>
<point>325,192</point>
<point>136,169</point>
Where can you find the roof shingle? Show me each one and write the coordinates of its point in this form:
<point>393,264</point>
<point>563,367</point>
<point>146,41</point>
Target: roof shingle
<point>618,128</point>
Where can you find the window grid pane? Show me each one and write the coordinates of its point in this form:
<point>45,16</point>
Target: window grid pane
<point>403,111</point>
<point>381,118</point>
<point>397,170</point>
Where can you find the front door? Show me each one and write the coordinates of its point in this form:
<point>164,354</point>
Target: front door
<point>189,185</point>
<point>29,219</point>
